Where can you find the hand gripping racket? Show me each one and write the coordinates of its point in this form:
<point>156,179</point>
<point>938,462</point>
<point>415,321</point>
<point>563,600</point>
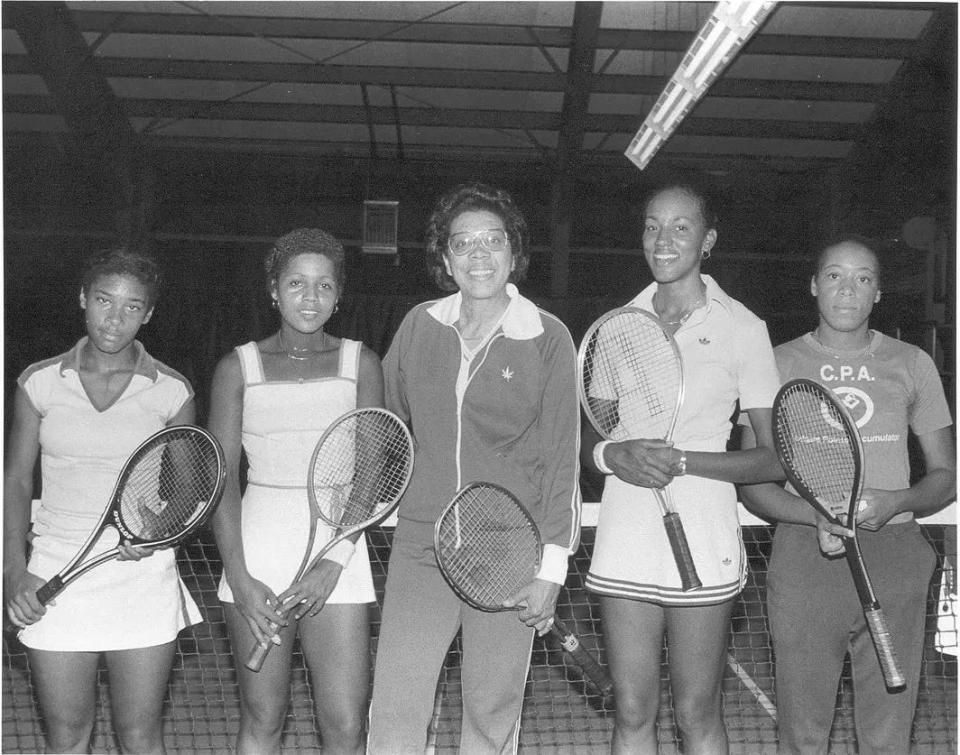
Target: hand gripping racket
<point>166,491</point>
<point>819,447</point>
<point>358,471</point>
<point>631,386</point>
<point>488,547</point>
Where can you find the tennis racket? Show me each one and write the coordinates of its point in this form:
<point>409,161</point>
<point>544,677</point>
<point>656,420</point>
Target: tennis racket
<point>631,386</point>
<point>166,491</point>
<point>358,470</point>
<point>488,547</point>
<point>819,447</point>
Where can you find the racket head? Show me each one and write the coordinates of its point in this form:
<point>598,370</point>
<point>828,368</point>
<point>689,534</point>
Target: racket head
<point>487,546</point>
<point>168,487</point>
<point>819,448</point>
<point>360,468</point>
<point>630,376</point>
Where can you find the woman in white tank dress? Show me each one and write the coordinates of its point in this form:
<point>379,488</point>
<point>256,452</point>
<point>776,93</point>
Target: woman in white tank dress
<point>273,400</point>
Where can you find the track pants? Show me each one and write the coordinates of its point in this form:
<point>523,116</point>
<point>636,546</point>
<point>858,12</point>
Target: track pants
<point>816,618</point>
<point>421,616</point>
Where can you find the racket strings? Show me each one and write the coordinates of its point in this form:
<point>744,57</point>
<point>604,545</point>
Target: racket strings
<point>168,485</point>
<point>632,378</point>
<point>487,546</point>
<point>816,447</point>
<point>361,468</point>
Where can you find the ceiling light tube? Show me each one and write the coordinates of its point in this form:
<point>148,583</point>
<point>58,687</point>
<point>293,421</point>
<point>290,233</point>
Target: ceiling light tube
<point>729,27</point>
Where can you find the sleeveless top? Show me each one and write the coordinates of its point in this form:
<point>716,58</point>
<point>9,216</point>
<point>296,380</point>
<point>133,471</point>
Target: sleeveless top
<point>284,419</point>
<point>282,422</point>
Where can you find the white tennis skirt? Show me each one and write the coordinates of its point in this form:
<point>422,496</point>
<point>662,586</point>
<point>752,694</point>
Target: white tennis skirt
<point>118,605</point>
<point>274,524</point>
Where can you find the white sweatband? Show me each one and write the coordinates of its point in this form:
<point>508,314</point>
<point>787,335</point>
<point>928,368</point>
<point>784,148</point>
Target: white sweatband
<point>598,456</point>
<point>554,564</point>
<point>341,553</point>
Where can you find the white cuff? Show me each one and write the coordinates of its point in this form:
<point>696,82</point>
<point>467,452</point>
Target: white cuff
<point>341,553</point>
<point>553,565</point>
<point>598,456</point>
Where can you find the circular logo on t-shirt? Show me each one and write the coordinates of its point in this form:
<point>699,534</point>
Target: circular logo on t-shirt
<point>858,403</point>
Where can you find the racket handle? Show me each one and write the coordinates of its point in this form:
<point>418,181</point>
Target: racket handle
<point>681,552</point>
<point>260,652</point>
<point>583,658</point>
<point>50,590</point>
<point>883,642</point>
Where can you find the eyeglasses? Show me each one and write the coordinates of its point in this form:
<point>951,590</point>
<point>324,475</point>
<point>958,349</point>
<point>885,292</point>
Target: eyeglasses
<point>492,239</point>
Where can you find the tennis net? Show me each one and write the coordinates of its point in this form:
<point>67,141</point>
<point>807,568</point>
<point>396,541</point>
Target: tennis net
<point>561,712</point>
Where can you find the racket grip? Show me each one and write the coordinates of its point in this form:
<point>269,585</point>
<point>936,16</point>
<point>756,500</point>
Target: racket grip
<point>681,552</point>
<point>583,658</point>
<point>50,590</point>
<point>883,642</point>
<point>259,655</point>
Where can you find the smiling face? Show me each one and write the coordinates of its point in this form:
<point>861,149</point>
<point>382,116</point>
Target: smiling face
<point>846,286</point>
<point>675,235</point>
<point>306,291</point>
<point>115,306</point>
<point>480,273</point>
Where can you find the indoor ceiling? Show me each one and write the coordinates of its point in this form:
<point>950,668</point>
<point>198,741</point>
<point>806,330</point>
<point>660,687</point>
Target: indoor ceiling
<point>511,81</point>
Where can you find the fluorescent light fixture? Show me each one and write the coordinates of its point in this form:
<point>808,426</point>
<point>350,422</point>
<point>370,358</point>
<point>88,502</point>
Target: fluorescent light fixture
<point>729,27</point>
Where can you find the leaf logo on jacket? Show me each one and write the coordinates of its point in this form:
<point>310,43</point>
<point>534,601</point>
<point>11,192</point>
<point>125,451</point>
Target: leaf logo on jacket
<point>506,373</point>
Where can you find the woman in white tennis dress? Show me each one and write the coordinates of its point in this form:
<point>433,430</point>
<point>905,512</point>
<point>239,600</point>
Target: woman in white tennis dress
<point>273,400</point>
<point>84,413</point>
<point>727,365</point>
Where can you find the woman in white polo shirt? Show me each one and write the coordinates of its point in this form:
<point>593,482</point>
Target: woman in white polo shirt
<point>83,413</point>
<point>728,360</point>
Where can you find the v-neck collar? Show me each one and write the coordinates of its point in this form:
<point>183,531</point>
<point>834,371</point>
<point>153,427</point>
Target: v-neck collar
<point>143,366</point>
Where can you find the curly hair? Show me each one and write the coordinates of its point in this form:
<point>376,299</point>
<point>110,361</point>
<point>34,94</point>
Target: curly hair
<point>464,198</point>
<point>304,241</point>
<point>121,260</point>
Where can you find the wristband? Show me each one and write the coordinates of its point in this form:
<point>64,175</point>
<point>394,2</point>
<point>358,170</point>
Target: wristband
<point>341,553</point>
<point>682,464</point>
<point>598,456</point>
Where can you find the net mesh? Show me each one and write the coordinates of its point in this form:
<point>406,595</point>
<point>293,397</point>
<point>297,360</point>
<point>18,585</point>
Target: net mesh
<point>560,715</point>
<point>169,483</point>
<point>631,377</point>
<point>813,445</point>
<point>487,545</point>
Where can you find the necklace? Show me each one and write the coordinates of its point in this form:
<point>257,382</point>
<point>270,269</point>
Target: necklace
<point>309,354</point>
<point>683,318</point>
<point>842,353</point>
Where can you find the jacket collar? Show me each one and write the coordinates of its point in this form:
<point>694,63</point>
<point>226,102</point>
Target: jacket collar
<point>521,320</point>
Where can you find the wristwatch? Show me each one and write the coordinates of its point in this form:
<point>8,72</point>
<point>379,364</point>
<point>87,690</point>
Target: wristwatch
<point>682,464</point>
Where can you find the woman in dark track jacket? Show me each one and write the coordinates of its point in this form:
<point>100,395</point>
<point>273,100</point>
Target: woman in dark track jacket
<point>487,382</point>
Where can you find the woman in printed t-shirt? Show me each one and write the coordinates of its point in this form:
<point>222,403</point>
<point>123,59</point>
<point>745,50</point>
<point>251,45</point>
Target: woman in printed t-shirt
<point>891,388</point>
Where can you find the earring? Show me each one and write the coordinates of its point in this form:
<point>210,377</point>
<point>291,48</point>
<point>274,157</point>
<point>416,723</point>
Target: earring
<point>275,304</point>
<point>705,254</point>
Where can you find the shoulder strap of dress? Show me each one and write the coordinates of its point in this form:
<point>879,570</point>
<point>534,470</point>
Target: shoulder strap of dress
<point>349,358</point>
<point>250,363</point>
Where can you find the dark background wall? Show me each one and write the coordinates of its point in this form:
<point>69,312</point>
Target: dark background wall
<point>212,217</point>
